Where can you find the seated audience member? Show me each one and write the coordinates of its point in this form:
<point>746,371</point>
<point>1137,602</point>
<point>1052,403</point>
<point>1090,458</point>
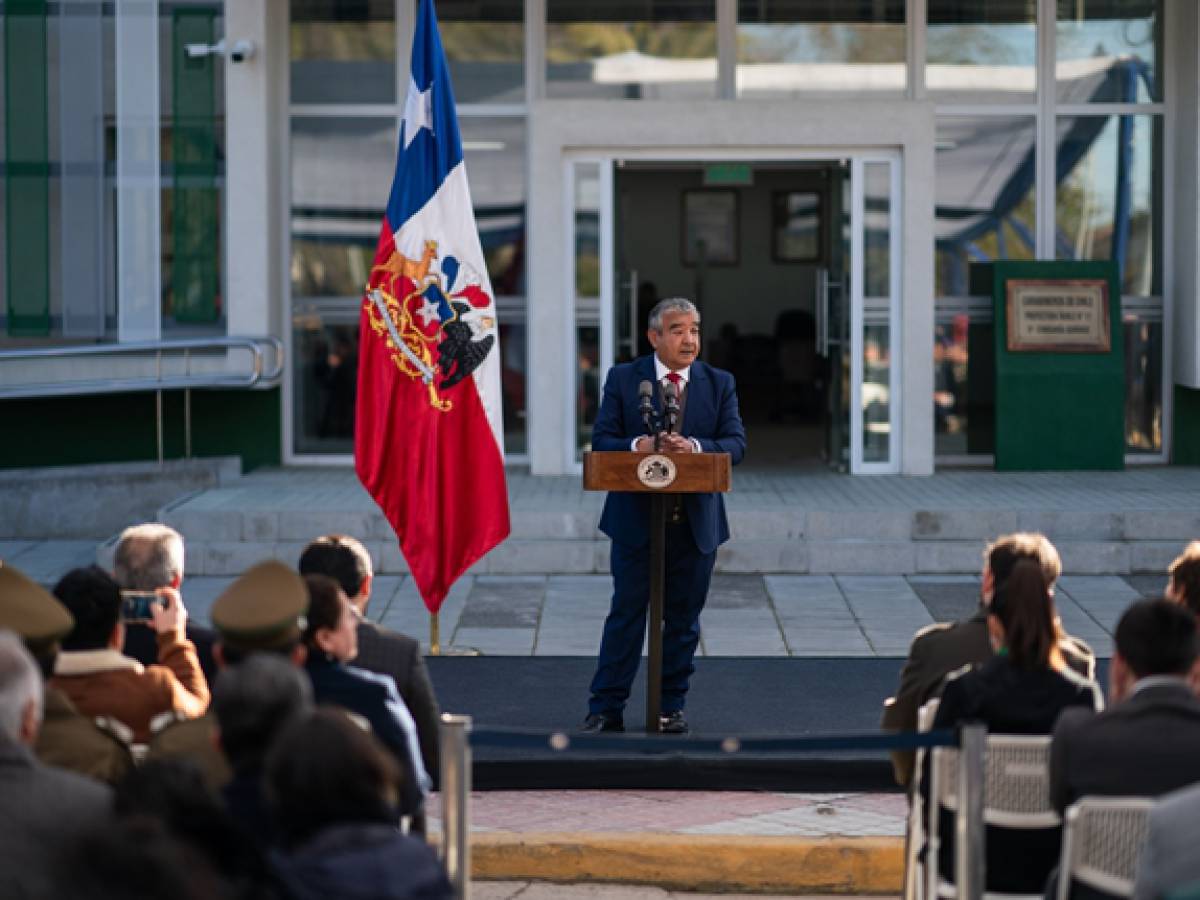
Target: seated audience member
<point>1184,583</point>
<point>42,809</point>
<point>97,747</point>
<point>253,702</point>
<point>101,681</point>
<point>1022,689</point>
<point>149,557</point>
<point>334,792</point>
<point>1148,742</point>
<point>380,650</point>
<point>332,641</point>
<point>1169,864</point>
<point>261,612</point>
<point>941,649</point>
<point>173,794</point>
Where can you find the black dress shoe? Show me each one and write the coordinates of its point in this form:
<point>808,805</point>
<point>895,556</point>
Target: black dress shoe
<point>598,722</point>
<point>673,723</point>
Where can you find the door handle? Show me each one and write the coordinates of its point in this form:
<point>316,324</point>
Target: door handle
<point>822,310</point>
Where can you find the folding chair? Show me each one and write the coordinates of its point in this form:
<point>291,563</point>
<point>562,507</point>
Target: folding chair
<point>914,874</point>
<point>1016,796</point>
<point>1102,840</point>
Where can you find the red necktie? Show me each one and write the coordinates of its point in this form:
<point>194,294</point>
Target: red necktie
<point>675,378</point>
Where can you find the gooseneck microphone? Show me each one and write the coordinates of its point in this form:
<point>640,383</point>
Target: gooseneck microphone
<point>671,405</point>
<point>646,405</point>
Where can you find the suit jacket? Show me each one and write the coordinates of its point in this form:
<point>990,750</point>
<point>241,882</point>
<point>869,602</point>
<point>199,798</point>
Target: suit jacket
<point>1169,861</point>
<point>141,643</point>
<point>397,655</point>
<point>710,416</point>
<point>44,809</point>
<point>1146,746</point>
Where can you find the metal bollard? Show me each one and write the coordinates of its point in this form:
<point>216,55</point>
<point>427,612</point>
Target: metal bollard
<point>970,865</point>
<point>456,797</point>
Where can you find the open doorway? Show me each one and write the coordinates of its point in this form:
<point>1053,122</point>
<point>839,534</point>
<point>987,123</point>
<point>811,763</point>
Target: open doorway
<point>760,248</point>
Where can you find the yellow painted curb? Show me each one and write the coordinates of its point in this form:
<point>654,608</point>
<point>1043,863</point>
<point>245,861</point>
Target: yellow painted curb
<point>796,865</point>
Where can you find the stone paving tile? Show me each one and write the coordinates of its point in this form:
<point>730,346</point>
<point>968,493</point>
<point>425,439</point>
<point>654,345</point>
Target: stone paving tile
<point>199,594</point>
<point>10,550</point>
<point>1147,585</point>
<point>887,609</point>
<point>947,599</point>
<point>407,613</point>
<point>504,602</point>
<point>495,641</point>
<point>736,592</point>
<point>47,561</point>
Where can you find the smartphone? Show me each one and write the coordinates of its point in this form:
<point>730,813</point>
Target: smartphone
<point>135,605</point>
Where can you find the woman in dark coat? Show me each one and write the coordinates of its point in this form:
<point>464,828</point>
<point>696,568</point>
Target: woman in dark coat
<point>1020,690</point>
<point>333,790</point>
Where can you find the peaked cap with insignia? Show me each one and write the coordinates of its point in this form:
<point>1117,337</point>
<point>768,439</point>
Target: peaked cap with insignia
<point>262,610</point>
<point>31,611</point>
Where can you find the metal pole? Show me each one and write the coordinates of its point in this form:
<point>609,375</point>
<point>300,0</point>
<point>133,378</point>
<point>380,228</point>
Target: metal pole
<point>158,412</point>
<point>187,407</point>
<point>970,871</point>
<point>456,796</point>
<point>435,635</point>
<point>654,620</point>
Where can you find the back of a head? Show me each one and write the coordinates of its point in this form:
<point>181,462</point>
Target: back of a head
<point>1002,555</point>
<point>20,685</point>
<point>326,770</point>
<point>148,556</point>
<point>1024,608</point>
<point>1185,577</point>
<point>93,598</point>
<point>253,702</point>
<point>339,557</point>
<point>326,606</point>
<point>1157,637</point>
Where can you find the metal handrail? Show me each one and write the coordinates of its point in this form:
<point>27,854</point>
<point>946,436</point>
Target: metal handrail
<point>257,375</point>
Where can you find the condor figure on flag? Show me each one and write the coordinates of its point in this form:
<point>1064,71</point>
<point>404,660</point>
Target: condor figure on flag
<point>428,438</point>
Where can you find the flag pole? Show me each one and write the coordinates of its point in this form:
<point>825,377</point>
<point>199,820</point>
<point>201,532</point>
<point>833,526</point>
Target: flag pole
<point>435,635</point>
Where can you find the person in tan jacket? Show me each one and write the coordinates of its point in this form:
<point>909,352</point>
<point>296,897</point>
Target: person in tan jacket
<point>101,681</point>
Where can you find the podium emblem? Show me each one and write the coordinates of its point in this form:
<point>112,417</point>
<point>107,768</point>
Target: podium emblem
<point>656,471</point>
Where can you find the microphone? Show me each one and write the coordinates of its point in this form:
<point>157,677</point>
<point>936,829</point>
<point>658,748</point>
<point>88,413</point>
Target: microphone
<point>671,405</point>
<point>646,405</point>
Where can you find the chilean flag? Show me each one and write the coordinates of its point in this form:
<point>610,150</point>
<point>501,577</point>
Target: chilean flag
<point>428,436</point>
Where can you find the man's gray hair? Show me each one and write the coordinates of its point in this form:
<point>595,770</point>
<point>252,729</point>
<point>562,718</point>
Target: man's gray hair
<point>670,305</point>
<point>20,682</point>
<point>148,556</point>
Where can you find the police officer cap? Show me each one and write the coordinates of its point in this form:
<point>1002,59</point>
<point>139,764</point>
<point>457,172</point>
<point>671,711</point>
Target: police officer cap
<point>31,611</point>
<point>264,609</point>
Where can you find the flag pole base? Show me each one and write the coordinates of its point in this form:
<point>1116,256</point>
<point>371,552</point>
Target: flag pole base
<point>435,641</point>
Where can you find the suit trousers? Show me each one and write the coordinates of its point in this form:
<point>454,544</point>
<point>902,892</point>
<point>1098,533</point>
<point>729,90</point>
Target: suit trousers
<point>688,574</point>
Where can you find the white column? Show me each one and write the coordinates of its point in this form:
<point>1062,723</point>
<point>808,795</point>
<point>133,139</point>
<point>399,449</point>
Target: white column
<point>256,169</point>
<point>139,217</point>
<point>917,300</point>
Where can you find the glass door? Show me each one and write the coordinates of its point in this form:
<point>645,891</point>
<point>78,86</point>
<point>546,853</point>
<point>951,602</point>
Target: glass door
<point>833,320</point>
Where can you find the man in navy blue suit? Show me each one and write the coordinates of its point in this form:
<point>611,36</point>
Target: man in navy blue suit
<point>708,423</point>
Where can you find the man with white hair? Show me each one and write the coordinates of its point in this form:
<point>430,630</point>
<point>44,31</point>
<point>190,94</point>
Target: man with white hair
<point>150,556</point>
<point>43,808</point>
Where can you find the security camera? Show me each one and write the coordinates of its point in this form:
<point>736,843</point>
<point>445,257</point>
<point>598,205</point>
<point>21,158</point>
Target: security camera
<point>241,51</point>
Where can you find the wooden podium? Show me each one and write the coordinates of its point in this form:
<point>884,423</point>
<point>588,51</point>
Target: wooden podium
<point>656,474</point>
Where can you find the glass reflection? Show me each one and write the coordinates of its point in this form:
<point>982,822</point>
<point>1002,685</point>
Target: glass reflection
<point>981,52</point>
<point>494,153</point>
<point>876,394</point>
<point>790,48</point>
<point>587,385</point>
<point>964,386</point>
<point>1143,385</point>
<point>513,374</point>
<point>341,171</point>
<point>343,52</point>
<point>603,49</point>
<point>1108,51</point>
<point>877,199</point>
<point>1107,197</point>
<point>485,47</point>
<point>985,207</point>
<point>325,378</point>
<point>587,230</point>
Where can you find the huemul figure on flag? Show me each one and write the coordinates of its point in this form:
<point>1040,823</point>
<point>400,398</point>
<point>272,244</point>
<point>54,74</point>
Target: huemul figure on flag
<point>428,439</point>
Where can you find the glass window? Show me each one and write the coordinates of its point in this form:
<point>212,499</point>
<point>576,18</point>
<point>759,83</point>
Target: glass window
<point>981,51</point>
<point>617,49</point>
<point>964,385</point>
<point>343,51</point>
<point>791,47</point>
<point>485,46</point>
<point>877,219</point>
<point>513,377</point>
<point>876,390</point>
<point>1143,384</point>
<point>1108,199</point>
<point>587,385</point>
<point>494,153</point>
<point>985,206</point>
<point>325,376</point>
<point>342,169</point>
<point>1108,51</point>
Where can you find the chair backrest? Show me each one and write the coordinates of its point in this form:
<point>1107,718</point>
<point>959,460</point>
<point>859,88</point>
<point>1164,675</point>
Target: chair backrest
<point>1016,792</point>
<point>1102,840</point>
<point>927,713</point>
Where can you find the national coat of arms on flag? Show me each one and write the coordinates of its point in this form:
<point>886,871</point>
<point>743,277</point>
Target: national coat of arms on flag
<point>428,441</point>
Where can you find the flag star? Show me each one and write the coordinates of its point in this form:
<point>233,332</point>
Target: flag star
<point>428,312</point>
<point>418,112</point>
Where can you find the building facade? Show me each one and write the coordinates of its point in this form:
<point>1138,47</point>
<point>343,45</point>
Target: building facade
<point>827,180</point>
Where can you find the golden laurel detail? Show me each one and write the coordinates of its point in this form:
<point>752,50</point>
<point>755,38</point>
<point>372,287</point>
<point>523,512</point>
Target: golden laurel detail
<point>412,338</point>
<point>656,471</point>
